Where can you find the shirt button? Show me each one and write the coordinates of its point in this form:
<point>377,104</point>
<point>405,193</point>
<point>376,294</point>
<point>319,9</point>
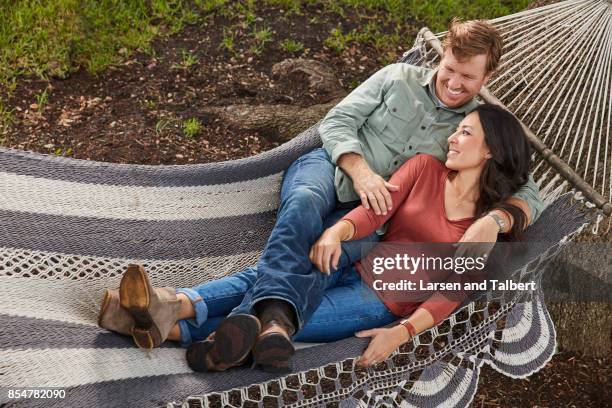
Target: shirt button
<point>394,109</point>
<point>410,147</point>
<point>423,127</point>
<point>396,163</point>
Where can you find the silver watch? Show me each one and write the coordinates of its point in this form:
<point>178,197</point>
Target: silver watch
<point>499,221</point>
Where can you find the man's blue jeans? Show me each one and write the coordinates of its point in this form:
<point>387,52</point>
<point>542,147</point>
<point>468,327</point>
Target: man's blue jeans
<point>308,204</point>
<point>347,306</point>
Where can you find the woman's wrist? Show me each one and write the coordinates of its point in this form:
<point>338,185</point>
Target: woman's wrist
<point>502,219</point>
<point>344,230</point>
<point>409,328</point>
<point>403,335</point>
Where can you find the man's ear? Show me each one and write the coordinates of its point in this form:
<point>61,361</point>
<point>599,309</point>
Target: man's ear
<point>487,77</point>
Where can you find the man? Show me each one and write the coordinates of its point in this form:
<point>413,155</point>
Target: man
<point>400,111</point>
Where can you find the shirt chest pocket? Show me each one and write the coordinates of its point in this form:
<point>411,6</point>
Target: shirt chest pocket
<point>430,145</point>
<point>393,116</point>
<point>436,142</point>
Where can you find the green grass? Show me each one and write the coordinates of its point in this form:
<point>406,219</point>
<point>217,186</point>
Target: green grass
<point>227,42</point>
<point>261,37</point>
<point>249,19</point>
<point>41,100</point>
<point>436,14</point>
<point>188,60</point>
<point>337,40</point>
<point>211,6</point>
<point>292,47</point>
<point>60,151</point>
<point>192,127</point>
<point>291,6</point>
<point>370,33</point>
<point>161,126</point>
<point>56,37</point>
<point>149,104</point>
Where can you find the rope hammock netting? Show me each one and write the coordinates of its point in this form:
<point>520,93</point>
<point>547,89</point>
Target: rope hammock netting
<point>70,227</point>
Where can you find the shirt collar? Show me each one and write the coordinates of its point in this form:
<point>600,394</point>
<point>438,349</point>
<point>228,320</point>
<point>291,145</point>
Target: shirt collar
<point>429,80</point>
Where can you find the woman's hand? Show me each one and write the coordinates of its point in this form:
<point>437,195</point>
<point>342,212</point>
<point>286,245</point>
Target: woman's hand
<point>384,342</point>
<point>326,251</point>
<point>479,239</point>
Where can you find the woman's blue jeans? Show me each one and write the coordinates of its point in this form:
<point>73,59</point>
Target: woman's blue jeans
<point>347,306</point>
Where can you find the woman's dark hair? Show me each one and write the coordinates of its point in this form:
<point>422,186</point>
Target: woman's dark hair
<point>508,168</point>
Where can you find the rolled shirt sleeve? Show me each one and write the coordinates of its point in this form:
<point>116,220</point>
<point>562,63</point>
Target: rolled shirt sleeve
<point>530,194</point>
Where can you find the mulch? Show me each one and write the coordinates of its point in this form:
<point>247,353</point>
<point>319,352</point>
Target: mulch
<point>568,380</point>
<point>133,113</point>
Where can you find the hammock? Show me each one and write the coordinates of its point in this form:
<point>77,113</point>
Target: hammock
<point>70,227</point>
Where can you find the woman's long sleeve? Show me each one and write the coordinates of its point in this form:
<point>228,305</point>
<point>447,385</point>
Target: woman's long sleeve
<point>366,221</point>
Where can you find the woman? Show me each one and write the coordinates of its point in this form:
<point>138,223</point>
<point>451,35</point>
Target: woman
<point>487,162</point>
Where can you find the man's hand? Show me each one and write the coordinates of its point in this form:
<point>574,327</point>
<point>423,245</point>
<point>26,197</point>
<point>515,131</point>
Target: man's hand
<point>384,342</point>
<point>372,189</point>
<point>479,239</point>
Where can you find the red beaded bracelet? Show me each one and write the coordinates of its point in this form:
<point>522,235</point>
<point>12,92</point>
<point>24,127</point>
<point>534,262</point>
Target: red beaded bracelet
<point>409,327</point>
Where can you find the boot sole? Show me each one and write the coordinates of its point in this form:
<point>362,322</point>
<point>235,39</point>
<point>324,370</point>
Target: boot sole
<point>224,352</point>
<point>197,356</point>
<point>135,297</point>
<point>273,353</point>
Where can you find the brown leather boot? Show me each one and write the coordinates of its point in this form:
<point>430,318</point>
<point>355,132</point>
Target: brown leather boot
<point>155,310</point>
<point>112,316</point>
<point>273,349</point>
<point>228,346</point>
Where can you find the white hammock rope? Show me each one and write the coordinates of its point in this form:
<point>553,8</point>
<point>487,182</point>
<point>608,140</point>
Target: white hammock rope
<point>556,77</point>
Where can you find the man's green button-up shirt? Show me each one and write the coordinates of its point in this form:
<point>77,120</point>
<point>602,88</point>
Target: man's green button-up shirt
<point>389,118</point>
